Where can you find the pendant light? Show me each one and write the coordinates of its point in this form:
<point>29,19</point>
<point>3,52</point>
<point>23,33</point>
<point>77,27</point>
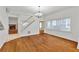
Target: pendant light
<point>38,14</point>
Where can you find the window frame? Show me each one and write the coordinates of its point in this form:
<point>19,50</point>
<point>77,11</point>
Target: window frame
<point>60,26</point>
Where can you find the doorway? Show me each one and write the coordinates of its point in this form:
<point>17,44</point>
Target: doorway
<point>41,27</point>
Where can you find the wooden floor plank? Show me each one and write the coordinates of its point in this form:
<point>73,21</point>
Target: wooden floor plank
<point>40,43</point>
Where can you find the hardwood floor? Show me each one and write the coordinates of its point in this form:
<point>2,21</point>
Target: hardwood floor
<point>0,49</point>
<point>40,43</point>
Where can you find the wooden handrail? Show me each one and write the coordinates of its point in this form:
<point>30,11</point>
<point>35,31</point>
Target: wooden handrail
<point>28,25</point>
<point>28,19</point>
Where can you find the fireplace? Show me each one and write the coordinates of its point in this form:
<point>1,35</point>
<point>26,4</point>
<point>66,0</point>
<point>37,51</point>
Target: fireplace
<point>12,29</point>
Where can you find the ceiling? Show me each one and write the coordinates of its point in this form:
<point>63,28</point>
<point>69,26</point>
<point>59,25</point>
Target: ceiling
<point>31,10</point>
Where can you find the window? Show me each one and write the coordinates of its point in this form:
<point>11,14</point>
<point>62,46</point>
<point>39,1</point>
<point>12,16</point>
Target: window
<point>54,23</point>
<point>65,24</point>
<point>49,25</point>
<point>68,23</point>
<point>59,24</point>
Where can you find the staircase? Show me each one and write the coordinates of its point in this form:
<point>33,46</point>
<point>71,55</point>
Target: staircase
<point>27,22</point>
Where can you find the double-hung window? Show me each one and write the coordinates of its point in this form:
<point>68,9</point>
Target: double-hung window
<point>59,24</point>
<point>48,25</point>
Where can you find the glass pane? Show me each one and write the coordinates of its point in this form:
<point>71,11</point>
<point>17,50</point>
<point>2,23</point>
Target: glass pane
<point>67,23</point>
<point>54,23</point>
<point>49,24</point>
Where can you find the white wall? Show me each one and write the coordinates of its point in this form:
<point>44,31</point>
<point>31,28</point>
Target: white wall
<point>73,13</point>
<point>33,28</point>
<point>4,20</point>
<point>13,20</point>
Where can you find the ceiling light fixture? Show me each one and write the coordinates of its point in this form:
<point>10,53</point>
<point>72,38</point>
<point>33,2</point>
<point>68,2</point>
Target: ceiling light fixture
<point>39,14</point>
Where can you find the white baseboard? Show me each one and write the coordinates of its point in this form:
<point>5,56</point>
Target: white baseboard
<point>63,37</point>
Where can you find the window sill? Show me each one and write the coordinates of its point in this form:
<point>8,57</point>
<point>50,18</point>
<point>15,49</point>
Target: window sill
<point>58,30</point>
